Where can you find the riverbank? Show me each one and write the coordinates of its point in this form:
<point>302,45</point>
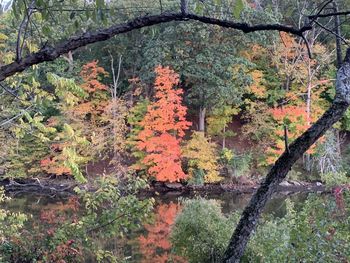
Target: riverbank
<point>66,187</point>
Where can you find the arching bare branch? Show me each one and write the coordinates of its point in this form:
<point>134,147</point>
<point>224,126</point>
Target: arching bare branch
<point>51,53</point>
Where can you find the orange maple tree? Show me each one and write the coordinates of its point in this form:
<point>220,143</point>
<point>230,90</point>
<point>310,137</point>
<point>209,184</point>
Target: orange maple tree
<point>295,119</point>
<point>163,128</point>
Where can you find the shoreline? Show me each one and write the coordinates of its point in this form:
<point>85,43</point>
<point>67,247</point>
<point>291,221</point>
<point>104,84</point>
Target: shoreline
<point>50,187</point>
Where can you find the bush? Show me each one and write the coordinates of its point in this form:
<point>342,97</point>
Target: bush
<point>237,165</point>
<point>201,232</point>
<point>335,178</point>
<point>319,232</point>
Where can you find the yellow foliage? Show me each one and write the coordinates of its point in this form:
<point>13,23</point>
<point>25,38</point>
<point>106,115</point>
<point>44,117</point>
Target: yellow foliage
<point>202,155</point>
<point>257,88</point>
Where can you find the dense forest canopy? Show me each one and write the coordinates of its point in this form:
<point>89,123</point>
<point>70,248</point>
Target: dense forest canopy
<point>170,90</point>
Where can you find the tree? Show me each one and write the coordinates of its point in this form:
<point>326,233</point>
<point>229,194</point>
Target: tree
<point>218,122</point>
<point>279,171</point>
<point>282,166</point>
<point>202,157</point>
<point>136,115</point>
<point>50,53</point>
<point>163,128</point>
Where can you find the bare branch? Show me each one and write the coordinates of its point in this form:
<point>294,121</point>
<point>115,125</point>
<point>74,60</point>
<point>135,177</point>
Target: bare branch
<point>343,13</point>
<point>22,31</point>
<point>315,17</point>
<point>333,33</point>
<point>51,53</point>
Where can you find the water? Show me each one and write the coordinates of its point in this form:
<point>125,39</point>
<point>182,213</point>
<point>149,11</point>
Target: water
<point>151,243</point>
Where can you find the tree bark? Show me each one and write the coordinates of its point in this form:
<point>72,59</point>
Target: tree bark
<point>338,33</point>
<point>201,124</point>
<point>282,166</point>
<point>48,53</point>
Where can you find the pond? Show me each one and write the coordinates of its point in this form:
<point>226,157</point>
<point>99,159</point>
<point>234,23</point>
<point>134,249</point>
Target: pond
<point>151,243</point>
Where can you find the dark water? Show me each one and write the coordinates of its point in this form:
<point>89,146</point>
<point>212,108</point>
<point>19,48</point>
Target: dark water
<point>151,244</point>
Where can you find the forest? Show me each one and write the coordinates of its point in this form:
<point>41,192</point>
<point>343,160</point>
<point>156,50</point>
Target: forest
<point>174,131</point>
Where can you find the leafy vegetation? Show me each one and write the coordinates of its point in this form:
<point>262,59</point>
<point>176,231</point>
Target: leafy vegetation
<point>109,96</point>
<point>316,233</point>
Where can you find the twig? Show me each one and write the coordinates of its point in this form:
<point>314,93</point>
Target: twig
<point>315,17</point>
<point>333,33</point>
<point>15,117</point>
<point>23,26</point>
<point>307,46</point>
<point>331,14</point>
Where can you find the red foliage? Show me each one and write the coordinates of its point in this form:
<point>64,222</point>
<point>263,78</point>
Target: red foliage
<point>163,128</point>
<point>52,166</point>
<point>90,74</point>
<point>295,118</point>
<point>155,246</point>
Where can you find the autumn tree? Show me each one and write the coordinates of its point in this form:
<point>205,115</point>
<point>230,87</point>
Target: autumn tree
<point>135,116</point>
<point>93,123</point>
<point>202,158</point>
<point>163,127</point>
<point>218,122</point>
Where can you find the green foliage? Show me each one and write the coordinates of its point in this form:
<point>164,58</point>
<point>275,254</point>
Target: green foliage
<point>316,233</point>
<point>239,5</point>
<point>335,178</point>
<point>11,225</point>
<point>197,177</point>
<point>134,119</point>
<point>64,86</point>
<point>73,232</point>
<point>219,119</point>
<point>201,231</point>
<point>237,165</point>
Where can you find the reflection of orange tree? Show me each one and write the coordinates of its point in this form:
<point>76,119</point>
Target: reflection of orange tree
<point>53,215</point>
<point>155,245</point>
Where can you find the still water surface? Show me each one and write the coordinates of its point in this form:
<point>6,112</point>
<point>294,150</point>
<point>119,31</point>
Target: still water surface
<point>151,244</point>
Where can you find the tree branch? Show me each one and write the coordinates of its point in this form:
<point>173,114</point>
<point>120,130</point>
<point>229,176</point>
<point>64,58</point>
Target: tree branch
<point>333,33</point>
<point>282,166</point>
<point>51,53</point>
<point>22,31</point>
<point>343,13</point>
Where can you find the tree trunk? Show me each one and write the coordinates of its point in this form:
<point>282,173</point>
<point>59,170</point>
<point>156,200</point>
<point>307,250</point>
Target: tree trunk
<point>337,34</point>
<point>282,166</point>
<point>307,159</point>
<point>201,125</point>
<point>69,58</point>
<point>224,139</point>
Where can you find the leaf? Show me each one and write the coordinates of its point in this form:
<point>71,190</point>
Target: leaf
<point>239,5</point>
<point>100,3</point>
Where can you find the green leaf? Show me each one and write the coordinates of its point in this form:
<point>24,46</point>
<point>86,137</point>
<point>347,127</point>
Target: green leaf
<point>239,5</point>
<point>100,3</point>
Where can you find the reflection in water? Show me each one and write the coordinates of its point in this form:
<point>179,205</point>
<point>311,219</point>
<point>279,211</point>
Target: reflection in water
<point>155,245</point>
<point>152,245</point>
